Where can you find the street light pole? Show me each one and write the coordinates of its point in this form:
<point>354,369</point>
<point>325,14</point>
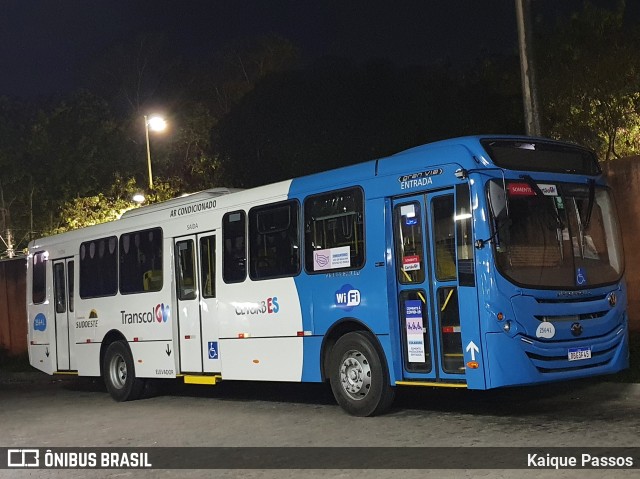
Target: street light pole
<point>527,71</point>
<point>146,132</point>
<point>156,123</point>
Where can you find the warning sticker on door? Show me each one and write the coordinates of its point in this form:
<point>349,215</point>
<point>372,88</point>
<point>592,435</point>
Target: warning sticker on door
<point>411,263</point>
<point>415,335</point>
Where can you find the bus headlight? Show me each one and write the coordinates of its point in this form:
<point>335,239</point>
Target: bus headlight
<point>506,326</point>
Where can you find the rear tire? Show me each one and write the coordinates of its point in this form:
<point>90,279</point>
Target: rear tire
<point>359,376</point>
<point>119,373</point>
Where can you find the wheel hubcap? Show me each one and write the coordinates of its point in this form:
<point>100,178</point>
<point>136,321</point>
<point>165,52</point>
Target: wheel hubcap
<point>118,371</point>
<point>355,375</point>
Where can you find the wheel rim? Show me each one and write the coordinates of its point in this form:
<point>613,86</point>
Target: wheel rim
<point>355,375</point>
<point>118,371</point>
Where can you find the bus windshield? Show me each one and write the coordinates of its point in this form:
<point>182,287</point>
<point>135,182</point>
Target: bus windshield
<point>556,235</point>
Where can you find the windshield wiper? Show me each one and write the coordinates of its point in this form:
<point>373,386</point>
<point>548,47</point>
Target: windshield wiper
<point>592,195</point>
<point>536,189</point>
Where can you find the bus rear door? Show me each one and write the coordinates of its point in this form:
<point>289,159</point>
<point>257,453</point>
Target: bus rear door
<point>198,328</point>
<point>63,286</point>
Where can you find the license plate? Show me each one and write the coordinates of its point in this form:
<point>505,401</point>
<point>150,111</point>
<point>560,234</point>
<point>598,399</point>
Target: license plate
<point>576,354</point>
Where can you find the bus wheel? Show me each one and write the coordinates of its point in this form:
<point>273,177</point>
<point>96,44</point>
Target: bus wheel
<point>119,373</point>
<point>359,377</point>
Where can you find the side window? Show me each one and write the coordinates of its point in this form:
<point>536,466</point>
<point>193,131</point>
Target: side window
<point>234,259</point>
<point>274,241</point>
<point>99,267</point>
<point>334,231</point>
<point>39,278</point>
<point>409,243</point>
<point>444,238</point>
<point>186,270</point>
<point>464,236</point>
<point>208,266</point>
<point>141,261</point>
<point>70,281</point>
<point>59,287</point>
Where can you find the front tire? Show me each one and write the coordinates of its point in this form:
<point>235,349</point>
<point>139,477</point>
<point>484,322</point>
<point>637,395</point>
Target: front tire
<point>359,376</point>
<point>119,373</point>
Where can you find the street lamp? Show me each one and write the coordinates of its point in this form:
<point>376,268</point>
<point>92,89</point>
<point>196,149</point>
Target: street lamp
<point>155,123</point>
<point>138,198</point>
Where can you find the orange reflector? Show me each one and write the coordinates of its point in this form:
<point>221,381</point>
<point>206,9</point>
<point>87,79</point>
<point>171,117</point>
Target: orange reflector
<point>187,337</point>
<point>300,333</point>
<point>473,365</point>
<point>135,340</point>
<point>500,316</point>
<point>256,361</point>
<point>139,360</point>
<point>240,335</point>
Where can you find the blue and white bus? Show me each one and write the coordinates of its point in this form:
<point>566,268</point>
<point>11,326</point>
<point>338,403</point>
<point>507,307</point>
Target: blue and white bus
<point>476,262</point>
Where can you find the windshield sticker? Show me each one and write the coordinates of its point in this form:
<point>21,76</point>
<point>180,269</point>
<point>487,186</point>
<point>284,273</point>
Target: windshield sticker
<point>559,202</point>
<point>408,212</point>
<point>581,277</point>
<point>415,332</point>
<point>411,263</point>
<point>546,330</point>
<point>523,189</point>
<point>548,190</point>
<point>332,258</point>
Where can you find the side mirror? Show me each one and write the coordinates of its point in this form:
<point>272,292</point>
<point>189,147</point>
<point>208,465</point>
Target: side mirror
<point>498,201</point>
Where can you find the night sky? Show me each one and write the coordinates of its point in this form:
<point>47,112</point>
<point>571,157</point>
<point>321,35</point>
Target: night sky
<point>44,43</point>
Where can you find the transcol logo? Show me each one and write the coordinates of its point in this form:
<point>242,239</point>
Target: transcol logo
<point>347,297</point>
<point>161,314</point>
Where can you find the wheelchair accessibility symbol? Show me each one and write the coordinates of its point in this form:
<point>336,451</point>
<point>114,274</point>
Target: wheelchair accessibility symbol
<point>581,277</point>
<point>213,349</point>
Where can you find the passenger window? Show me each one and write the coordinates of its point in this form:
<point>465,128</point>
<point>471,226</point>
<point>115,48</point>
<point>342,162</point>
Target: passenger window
<point>444,238</point>
<point>185,270</point>
<point>59,288</point>
<point>234,259</point>
<point>38,278</point>
<point>334,231</point>
<point>99,267</point>
<point>409,243</point>
<point>71,282</point>
<point>274,241</point>
<point>141,261</point>
<point>208,266</point>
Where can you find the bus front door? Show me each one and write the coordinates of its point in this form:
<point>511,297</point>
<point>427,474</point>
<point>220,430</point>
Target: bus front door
<point>426,277</point>
<point>195,258</point>
<point>63,286</point>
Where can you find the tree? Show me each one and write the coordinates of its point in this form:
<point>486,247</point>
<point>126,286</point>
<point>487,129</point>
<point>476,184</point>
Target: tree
<point>337,113</point>
<point>591,81</point>
<point>14,178</point>
<point>85,211</point>
<point>75,148</point>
